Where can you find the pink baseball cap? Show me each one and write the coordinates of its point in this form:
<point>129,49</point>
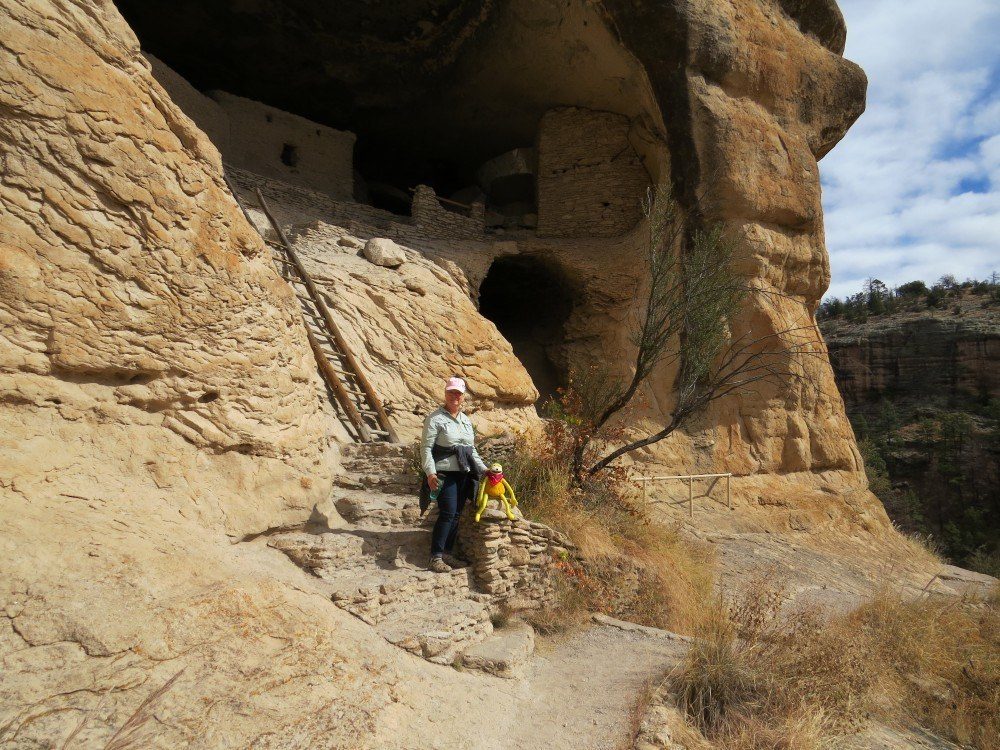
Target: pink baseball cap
<point>455,384</point>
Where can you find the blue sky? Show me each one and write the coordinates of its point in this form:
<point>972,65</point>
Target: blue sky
<point>913,190</point>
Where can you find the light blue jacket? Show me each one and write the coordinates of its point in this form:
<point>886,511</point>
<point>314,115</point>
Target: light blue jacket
<point>442,429</point>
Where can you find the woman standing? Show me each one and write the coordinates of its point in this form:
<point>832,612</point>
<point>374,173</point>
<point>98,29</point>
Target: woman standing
<point>451,462</point>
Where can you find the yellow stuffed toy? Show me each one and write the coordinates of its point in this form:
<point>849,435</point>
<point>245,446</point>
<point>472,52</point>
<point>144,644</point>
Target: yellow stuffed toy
<point>494,487</point>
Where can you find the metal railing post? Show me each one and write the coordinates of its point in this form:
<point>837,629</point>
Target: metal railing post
<point>690,480</point>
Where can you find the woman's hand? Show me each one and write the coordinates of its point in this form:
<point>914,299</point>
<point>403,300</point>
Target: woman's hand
<point>432,481</point>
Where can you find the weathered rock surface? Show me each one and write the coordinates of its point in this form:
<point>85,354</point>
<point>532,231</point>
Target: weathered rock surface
<point>410,327</point>
<point>136,299</point>
<point>384,252</point>
<point>745,151</point>
<point>158,398</point>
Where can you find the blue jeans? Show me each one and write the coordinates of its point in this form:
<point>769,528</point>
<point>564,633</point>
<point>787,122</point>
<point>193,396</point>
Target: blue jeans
<point>456,488</point>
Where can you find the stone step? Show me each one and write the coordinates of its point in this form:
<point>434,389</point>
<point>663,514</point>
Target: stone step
<point>382,465</point>
<point>383,595</point>
<point>378,450</point>
<point>374,566</point>
<point>382,509</point>
<point>337,554</point>
<point>320,553</point>
<point>504,653</point>
<point>399,484</point>
<point>438,630</point>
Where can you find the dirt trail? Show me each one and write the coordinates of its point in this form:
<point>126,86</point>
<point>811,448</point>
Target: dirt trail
<point>578,692</point>
<point>581,690</point>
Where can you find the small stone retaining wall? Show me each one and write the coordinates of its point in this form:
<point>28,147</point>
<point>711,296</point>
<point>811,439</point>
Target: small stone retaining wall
<point>513,561</point>
<point>434,220</point>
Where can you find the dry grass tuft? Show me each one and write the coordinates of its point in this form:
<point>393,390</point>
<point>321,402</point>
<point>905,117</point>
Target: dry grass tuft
<point>756,680</point>
<point>632,567</point>
<point>131,734</point>
<point>942,657</point>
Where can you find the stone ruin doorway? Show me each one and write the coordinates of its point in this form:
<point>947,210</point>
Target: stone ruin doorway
<point>530,300</point>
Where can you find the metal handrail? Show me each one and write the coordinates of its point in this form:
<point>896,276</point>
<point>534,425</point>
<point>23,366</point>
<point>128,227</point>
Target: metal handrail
<point>690,480</point>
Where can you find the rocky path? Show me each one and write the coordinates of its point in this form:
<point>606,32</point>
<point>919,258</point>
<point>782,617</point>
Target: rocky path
<point>375,567</point>
<point>578,691</point>
<point>582,690</point>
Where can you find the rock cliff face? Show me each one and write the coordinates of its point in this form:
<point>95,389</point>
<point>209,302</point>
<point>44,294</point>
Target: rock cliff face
<point>909,356</point>
<point>730,104</point>
<point>752,95</point>
<point>158,400</point>
<point>922,387</point>
<point>142,323</point>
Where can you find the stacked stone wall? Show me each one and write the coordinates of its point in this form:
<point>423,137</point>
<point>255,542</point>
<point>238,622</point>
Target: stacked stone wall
<point>298,205</point>
<point>266,140</point>
<point>590,179</point>
<point>513,561</point>
<point>287,147</point>
<point>434,220</point>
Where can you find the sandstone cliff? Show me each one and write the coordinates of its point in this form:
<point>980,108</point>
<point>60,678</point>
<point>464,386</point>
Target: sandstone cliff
<point>949,354</point>
<point>158,400</point>
<point>732,105</point>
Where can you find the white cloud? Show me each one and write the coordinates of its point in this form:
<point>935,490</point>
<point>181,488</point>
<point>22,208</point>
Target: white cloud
<point>913,191</point>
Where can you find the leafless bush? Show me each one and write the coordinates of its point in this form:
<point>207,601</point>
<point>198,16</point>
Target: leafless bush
<point>691,301</point>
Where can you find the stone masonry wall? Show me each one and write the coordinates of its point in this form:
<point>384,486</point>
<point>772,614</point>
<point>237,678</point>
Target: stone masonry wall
<point>590,179</point>
<point>298,205</point>
<point>265,139</point>
<point>288,147</point>
<point>436,221</point>
<point>513,560</point>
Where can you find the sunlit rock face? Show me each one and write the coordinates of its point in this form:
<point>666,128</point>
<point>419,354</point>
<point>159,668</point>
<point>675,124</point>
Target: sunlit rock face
<point>752,95</point>
<point>730,103</point>
<point>158,398</point>
<point>135,295</point>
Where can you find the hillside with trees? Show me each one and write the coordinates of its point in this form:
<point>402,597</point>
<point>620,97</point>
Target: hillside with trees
<point>917,366</point>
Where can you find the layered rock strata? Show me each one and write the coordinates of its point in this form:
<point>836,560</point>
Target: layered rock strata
<point>916,355</point>
<point>159,399</point>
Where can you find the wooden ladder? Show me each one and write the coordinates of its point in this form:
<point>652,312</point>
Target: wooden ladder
<point>340,370</point>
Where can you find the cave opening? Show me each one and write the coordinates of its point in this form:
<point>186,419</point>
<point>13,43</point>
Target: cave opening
<point>444,93</point>
<point>530,300</point>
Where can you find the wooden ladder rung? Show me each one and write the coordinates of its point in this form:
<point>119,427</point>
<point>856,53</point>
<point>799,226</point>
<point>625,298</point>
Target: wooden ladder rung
<point>349,385</point>
<point>329,351</point>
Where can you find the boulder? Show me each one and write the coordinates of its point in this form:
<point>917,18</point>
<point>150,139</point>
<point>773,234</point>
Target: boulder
<point>384,252</point>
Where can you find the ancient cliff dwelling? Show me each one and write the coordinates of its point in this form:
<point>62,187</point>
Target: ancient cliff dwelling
<point>512,155</point>
<point>244,244</point>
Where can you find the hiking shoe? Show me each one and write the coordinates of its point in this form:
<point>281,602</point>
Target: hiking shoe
<point>438,565</point>
<point>457,562</point>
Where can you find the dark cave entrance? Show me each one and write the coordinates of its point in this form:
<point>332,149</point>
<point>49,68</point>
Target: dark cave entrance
<point>530,300</point>
<point>444,93</point>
